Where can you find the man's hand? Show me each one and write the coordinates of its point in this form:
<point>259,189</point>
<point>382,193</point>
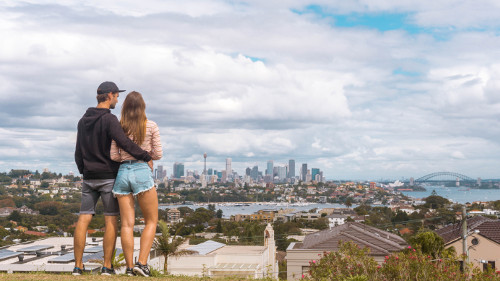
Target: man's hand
<point>150,164</point>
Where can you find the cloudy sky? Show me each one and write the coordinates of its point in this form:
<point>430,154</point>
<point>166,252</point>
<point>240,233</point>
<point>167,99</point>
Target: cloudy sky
<point>364,89</point>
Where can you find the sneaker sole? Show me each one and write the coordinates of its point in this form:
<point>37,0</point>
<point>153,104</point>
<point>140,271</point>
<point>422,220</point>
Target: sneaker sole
<point>75,274</point>
<point>139,271</point>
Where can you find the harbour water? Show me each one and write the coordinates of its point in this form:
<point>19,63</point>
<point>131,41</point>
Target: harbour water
<point>457,194</point>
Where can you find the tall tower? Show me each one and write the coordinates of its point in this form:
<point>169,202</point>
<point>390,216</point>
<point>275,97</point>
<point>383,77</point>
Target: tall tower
<point>229,170</point>
<point>205,164</point>
<point>291,168</point>
<point>304,172</point>
<point>270,168</point>
<point>204,175</point>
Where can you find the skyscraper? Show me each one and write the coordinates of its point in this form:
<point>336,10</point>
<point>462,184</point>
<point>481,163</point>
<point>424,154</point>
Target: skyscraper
<point>303,172</point>
<point>229,170</point>
<point>291,168</point>
<point>254,173</point>
<point>314,172</point>
<point>281,173</point>
<point>270,168</point>
<point>205,164</point>
<point>159,172</point>
<point>178,170</point>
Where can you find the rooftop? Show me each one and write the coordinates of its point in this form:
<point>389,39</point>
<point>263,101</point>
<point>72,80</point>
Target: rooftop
<point>380,242</point>
<point>488,228</point>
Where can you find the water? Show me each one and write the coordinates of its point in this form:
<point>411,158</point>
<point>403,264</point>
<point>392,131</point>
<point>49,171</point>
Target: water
<point>457,194</point>
<point>229,210</point>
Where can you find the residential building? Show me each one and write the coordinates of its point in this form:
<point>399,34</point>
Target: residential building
<point>483,240</point>
<point>173,215</point>
<point>261,215</point>
<point>336,220</point>
<point>213,259</point>
<point>381,244</point>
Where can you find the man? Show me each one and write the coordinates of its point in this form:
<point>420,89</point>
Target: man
<point>96,129</point>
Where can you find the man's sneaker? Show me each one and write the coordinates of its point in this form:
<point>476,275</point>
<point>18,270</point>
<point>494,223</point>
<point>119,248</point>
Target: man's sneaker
<point>130,271</point>
<point>78,271</point>
<point>142,269</point>
<point>107,271</point>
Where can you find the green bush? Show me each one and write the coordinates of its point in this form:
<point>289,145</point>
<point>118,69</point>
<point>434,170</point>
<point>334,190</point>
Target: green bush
<point>354,263</point>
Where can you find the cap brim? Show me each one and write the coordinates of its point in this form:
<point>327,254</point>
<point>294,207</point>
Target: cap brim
<point>121,91</point>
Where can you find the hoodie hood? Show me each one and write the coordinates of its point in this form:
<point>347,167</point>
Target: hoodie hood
<point>92,115</point>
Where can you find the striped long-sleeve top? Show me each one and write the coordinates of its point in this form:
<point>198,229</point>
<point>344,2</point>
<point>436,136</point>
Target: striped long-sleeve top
<point>151,144</point>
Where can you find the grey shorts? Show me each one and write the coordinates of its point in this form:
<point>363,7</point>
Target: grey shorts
<point>92,190</point>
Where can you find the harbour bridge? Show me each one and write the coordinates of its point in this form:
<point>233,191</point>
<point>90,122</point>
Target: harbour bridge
<point>444,176</point>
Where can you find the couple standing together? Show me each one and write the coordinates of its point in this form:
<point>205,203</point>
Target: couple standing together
<point>116,160</point>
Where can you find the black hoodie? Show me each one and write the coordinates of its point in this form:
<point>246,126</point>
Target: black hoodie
<point>96,129</point>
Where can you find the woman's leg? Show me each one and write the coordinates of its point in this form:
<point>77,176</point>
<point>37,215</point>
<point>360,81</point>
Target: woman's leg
<point>127,215</point>
<point>148,202</point>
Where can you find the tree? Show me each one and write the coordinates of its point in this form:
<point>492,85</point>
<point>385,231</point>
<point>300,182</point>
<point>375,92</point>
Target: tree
<point>166,247</point>
<point>348,202</point>
<point>15,216</point>
<point>50,208</point>
<point>430,243</point>
<point>435,202</point>
<point>218,229</point>
<point>219,214</point>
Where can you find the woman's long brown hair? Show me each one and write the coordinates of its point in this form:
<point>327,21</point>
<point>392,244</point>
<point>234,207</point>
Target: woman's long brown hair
<point>133,118</point>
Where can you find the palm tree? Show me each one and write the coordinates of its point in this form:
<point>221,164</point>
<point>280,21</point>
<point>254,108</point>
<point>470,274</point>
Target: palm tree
<point>167,246</point>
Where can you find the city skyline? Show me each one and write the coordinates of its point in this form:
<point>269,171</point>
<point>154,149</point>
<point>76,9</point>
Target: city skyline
<point>362,90</point>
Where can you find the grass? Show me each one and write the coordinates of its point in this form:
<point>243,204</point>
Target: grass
<point>63,277</point>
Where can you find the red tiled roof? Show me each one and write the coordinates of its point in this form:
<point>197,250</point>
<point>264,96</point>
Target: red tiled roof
<point>35,233</point>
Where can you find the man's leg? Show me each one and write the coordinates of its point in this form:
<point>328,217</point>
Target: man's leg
<point>111,212</point>
<point>79,238</point>
<point>109,241</point>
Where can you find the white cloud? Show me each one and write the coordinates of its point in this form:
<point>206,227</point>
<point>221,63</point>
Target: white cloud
<point>255,81</point>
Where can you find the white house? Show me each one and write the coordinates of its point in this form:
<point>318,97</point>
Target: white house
<point>336,219</point>
<point>218,259</point>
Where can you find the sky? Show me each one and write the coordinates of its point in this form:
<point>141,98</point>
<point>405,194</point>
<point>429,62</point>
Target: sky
<point>365,89</point>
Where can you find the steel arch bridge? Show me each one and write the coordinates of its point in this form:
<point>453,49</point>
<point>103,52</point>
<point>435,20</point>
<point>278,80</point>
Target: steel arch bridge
<point>427,178</point>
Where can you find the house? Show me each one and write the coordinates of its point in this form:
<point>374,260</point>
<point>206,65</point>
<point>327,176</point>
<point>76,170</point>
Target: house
<point>213,259</point>
<point>483,240</point>
<point>173,215</point>
<point>381,244</point>
<point>336,219</point>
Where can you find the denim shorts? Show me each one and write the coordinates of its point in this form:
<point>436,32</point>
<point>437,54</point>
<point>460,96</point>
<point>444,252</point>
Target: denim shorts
<point>133,178</point>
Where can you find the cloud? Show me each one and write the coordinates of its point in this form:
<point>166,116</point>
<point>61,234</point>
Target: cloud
<point>256,81</point>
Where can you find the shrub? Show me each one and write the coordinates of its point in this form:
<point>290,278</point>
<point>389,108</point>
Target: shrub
<point>354,263</point>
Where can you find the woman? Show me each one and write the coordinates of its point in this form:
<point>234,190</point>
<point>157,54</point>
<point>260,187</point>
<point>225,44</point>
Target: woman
<point>135,179</point>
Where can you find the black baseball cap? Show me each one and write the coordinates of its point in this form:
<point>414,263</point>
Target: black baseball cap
<point>107,87</point>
